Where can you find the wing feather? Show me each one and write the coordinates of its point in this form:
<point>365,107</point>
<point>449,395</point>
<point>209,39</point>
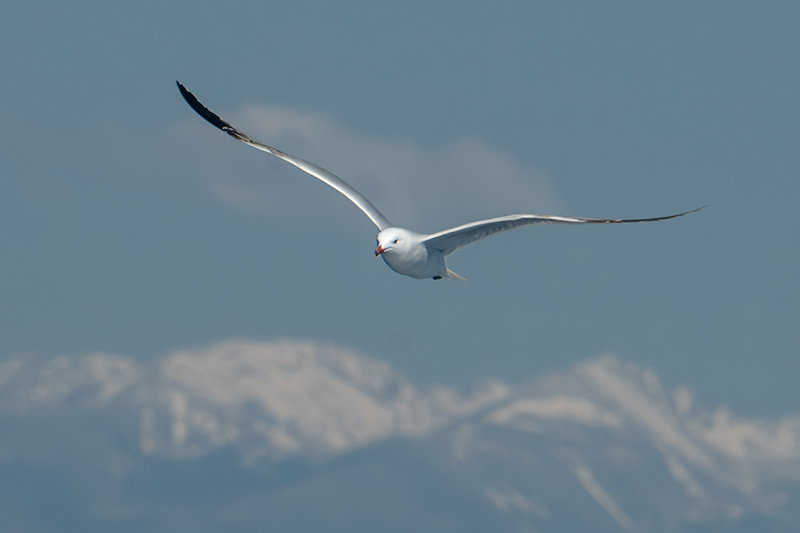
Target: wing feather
<point>318,172</point>
<point>448,241</point>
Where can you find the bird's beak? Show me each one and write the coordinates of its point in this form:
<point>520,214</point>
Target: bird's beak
<point>379,251</point>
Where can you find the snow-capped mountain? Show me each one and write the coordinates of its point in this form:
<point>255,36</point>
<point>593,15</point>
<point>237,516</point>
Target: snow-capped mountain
<point>299,436</point>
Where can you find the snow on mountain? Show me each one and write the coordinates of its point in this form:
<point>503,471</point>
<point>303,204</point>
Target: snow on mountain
<point>604,445</point>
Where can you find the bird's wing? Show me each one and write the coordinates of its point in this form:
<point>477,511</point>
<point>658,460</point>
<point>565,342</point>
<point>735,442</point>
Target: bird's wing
<point>320,173</point>
<point>448,241</point>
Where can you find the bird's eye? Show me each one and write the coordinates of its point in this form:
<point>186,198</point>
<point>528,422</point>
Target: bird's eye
<point>395,241</point>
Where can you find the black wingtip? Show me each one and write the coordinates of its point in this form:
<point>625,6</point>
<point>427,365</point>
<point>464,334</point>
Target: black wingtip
<point>693,210</point>
<point>189,97</point>
<point>202,110</point>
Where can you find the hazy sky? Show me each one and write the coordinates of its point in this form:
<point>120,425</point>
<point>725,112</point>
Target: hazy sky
<point>130,226</point>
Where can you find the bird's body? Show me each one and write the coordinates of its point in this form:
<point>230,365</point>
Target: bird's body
<point>406,251</point>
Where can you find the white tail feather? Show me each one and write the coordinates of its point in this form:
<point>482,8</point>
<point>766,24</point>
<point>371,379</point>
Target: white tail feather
<point>452,275</point>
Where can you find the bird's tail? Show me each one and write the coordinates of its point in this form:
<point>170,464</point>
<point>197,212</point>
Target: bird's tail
<point>452,275</point>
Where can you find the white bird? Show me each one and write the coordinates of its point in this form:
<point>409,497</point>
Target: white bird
<point>406,251</point>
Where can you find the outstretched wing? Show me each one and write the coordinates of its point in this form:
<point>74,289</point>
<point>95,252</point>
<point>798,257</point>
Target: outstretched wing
<point>448,241</point>
<point>320,173</point>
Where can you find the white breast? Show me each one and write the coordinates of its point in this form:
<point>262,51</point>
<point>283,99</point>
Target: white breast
<point>418,262</point>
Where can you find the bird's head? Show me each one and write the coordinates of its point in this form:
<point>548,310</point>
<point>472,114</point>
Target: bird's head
<point>395,240</point>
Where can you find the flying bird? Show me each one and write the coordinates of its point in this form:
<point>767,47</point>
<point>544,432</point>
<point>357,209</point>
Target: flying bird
<point>406,251</point>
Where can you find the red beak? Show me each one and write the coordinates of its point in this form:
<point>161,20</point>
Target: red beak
<point>379,251</point>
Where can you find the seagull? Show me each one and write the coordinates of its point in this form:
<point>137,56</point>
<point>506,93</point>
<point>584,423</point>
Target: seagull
<point>406,251</point>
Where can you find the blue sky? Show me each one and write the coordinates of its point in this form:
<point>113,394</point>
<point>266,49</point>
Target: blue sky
<point>128,226</point>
